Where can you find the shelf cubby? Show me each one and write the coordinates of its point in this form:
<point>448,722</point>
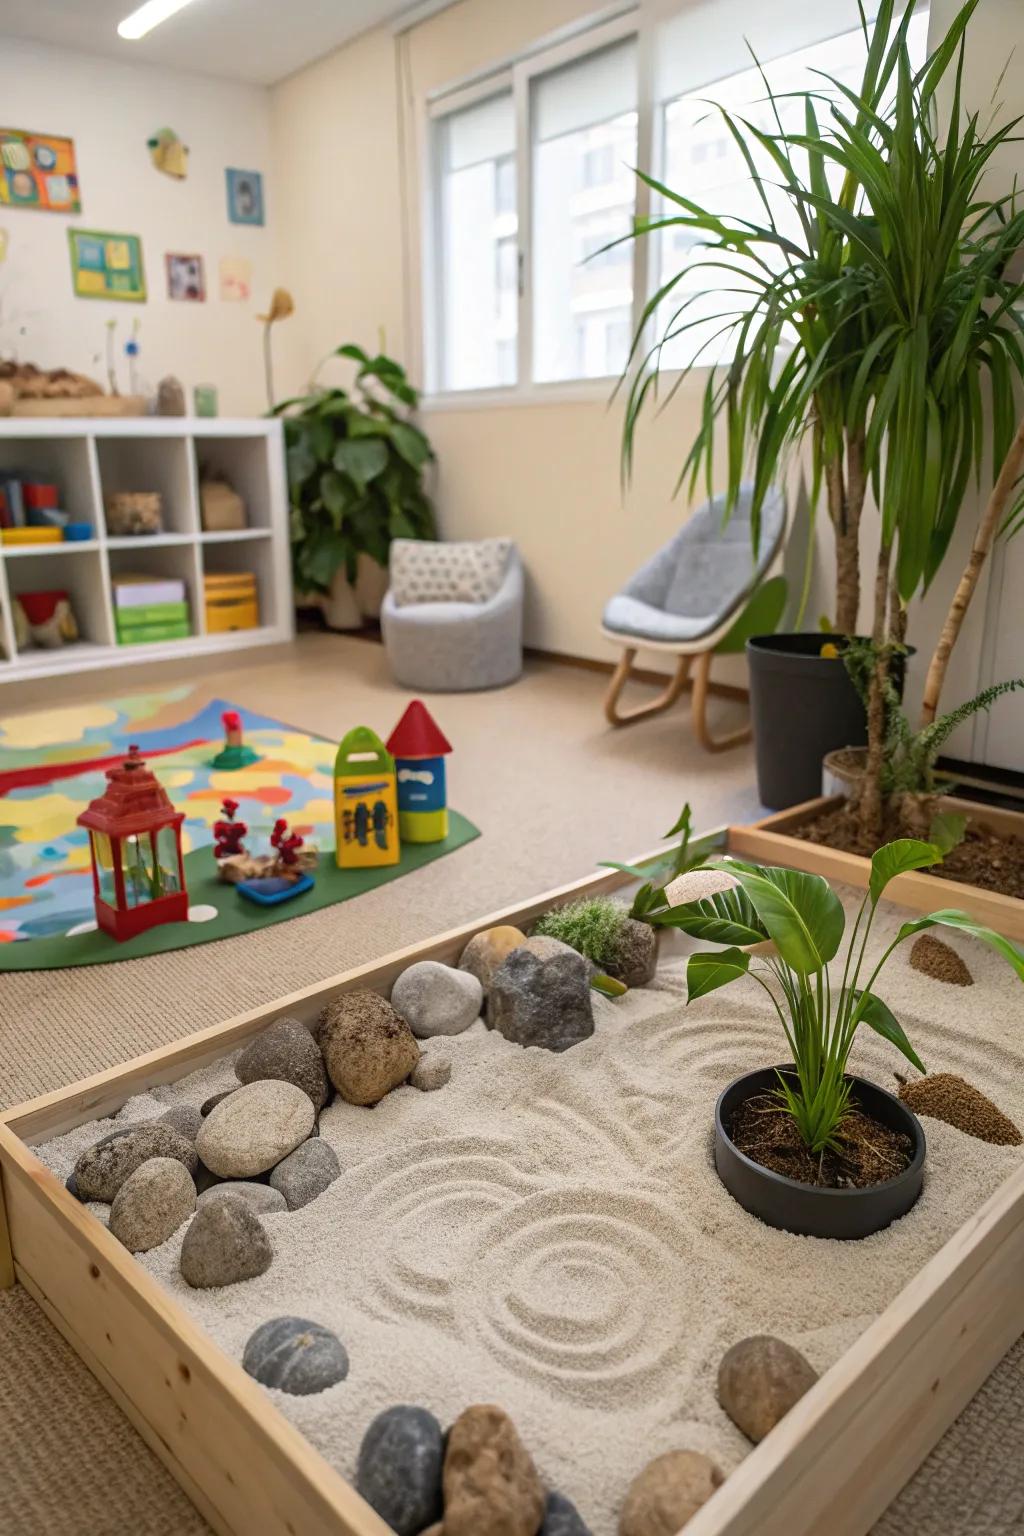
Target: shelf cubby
<point>161,464</point>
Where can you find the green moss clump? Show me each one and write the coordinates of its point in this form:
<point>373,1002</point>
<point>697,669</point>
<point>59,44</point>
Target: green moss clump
<point>593,928</point>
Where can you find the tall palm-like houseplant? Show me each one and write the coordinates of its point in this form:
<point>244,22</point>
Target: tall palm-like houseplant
<point>869,311</point>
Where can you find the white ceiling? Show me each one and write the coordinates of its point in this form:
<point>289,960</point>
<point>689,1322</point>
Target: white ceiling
<point>256,40</point>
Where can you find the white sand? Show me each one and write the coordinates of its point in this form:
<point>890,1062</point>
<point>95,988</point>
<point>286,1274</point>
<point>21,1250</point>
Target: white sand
<point>548,1232</point>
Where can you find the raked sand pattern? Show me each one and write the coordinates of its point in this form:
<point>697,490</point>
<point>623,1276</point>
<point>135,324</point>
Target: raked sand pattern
<point>548,1232</point>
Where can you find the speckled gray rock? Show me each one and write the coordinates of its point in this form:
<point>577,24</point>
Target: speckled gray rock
<point>261,1197</point>
<point>399,1468</point>
<point>103,1168</point>
<point>185,1118</point>
<point>254,1128</point>
<point>562,1518</point>
<point>286,1051</point>
<point>296,1356</point>
<point>214,1100</point>
<point>433,1070</point>
<point>759,1380</point>
<point>305,1173</point>
<point>225,1243</point>
<point>436,999</point>
<point>368,1047</point>
<point>635,957</point>
<point>541,996</point>
<point>152,1203</point>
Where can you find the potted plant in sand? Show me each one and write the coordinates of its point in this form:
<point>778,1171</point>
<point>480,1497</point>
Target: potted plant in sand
<point>867,310</point>
<point>356,467</point>
<point>807,1146</point>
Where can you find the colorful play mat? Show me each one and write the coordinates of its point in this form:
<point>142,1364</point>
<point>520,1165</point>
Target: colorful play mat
<point>53,764</point>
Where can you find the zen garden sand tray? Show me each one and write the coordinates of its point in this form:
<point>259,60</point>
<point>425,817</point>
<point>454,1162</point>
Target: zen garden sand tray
<point>547,1232</point>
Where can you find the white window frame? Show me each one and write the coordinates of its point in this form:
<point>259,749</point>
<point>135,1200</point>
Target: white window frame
<point>518,78</point>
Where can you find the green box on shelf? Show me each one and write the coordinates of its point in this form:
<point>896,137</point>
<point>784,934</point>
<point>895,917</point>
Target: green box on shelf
<point>143,634</point>
<point>152,613</point>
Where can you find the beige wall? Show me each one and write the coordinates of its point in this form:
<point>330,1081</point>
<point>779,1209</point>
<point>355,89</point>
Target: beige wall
<point>546,474</point>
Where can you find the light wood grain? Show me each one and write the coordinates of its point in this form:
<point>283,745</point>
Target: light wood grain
<point>6,1252</point>
<point>769,842</point>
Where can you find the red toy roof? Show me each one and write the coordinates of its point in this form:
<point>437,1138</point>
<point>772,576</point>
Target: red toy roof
<point>418,734</point>
<point>134,801</point>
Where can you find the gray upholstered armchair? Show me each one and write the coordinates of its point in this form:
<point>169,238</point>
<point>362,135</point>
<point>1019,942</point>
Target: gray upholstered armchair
<point>447,646</point>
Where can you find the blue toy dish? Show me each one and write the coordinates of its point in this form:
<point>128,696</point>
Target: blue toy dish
<point>272,890</point>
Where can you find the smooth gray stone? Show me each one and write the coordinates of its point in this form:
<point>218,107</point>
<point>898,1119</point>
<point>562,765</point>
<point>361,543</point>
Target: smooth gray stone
<point>562,1518</point>
<point>540,996</point>
<point>399,1468</point>
<point>103,1168</point>
<point>185,1118</point>
<point>152,1203</point>
<point>288,1052</point>
<point>436,999</point>
<point>261,1197</point>
<point>225,1243</point>
<point>305,1173</point>
<point>296,1356</point>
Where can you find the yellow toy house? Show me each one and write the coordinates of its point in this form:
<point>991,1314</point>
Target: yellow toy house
<point>365,802</point>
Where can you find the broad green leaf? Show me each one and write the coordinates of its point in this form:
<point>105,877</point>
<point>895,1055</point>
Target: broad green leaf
<point>411,444</point>
<point>950,918</point>
<point>873,1012</point>
<point>947,830</point>
<point>301,463</point>
<point>800,912</point>
<point>362,459</point>
<point>897,858</point>
<point>707,971</point>
<point>335,496</point>
<point>727,917</point>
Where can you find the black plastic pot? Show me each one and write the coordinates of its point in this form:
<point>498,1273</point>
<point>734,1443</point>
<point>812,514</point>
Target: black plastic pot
<point>805,1209</point>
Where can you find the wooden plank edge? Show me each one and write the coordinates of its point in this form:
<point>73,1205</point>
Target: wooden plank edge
<point>107,1285</point>
<point>6,1251</point>
<point>841,1455</point>
<point>105,1092</point>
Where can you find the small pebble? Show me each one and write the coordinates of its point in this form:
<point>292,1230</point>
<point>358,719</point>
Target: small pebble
<point>296,1356</point>
<point>433,1070</point>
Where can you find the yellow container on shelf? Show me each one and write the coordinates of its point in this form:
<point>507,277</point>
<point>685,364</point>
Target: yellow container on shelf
<point>365,802</point>
<point>32,535</point>
<point>232,602</point>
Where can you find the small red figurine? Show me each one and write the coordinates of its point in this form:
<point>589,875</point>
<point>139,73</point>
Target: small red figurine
<point>229,832</point>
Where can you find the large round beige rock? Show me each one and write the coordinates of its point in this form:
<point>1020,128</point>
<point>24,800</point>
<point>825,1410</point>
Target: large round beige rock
<point>152,1203</point>
<point>759,1380</point>
<point>254,1128</point>
<point>667,1493</point>
<point>225,1243</point>
<point>486,951</point>
<point>490,1482</point>
<point>368,1048</point>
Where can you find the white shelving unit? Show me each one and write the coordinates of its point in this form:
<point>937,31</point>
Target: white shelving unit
<point>88,460</point>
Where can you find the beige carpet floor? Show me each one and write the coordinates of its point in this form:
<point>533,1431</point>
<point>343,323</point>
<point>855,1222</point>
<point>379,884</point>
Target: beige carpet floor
<point>553,791</point>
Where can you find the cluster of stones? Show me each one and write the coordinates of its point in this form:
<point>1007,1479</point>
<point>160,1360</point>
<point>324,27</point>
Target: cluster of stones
<point>478,1477</point>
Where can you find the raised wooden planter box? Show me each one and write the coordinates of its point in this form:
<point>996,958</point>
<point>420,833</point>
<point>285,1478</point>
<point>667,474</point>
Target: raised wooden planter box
<point>833,1464</point>
<point>770,842</point>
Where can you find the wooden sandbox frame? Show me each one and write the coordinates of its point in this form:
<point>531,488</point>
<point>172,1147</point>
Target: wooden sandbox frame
<point>832,1466</point>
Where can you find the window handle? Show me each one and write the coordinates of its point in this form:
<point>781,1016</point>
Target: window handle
<point>521,271</point>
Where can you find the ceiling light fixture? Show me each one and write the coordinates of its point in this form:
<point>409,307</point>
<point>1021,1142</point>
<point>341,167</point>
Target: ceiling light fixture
<point>149,16</point>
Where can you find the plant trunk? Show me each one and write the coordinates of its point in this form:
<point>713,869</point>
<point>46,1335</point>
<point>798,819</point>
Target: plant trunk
<point>871,791</point>
<point>984,537</point>
<point>845,504</point>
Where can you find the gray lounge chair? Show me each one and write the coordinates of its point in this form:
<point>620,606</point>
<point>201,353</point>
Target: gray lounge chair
<point>452,647</point>
<point>701,595</point>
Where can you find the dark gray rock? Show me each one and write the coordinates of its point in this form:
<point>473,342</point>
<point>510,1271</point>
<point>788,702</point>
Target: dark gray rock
<point>295,1356</point>
<point>264,1200</point>
<point>185,1118</point>
<point>152,1204</point>
<point>540,995</point>
<point>288,1052</point>
<point>225,1243</point>
<point>71,1185</point>
<point>399,1468</point>
<point>214,1100</point>
<point>305,1173</point>
<point>562,1518</point>
<point>103,1168</point>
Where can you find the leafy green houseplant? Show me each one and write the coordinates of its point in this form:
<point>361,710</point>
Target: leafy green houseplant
<point>868,311</point>
<point>356,466</point>
<point>805,923</point>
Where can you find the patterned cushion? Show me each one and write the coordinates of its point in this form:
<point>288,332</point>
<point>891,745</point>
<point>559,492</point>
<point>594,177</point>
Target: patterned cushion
<point>426,572</point>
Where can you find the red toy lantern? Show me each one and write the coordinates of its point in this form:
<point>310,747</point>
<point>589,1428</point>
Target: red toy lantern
<point>138,876</point>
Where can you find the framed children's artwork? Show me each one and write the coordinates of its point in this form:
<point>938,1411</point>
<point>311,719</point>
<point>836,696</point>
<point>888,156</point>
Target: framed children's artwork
<point>185,279</point>
<point>245,197</point>
<point>105,266</point>
<point>235,279</point>
<point>38,170</point>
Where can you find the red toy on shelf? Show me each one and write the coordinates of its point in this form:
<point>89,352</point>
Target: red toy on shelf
<point>138,876</point>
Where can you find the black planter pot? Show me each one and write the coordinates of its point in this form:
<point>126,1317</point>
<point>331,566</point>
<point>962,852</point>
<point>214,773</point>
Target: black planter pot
<point>802,705</point>
<point>805,1209</point>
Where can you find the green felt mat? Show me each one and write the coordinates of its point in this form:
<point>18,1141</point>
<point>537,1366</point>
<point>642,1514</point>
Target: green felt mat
<point>234,914</point>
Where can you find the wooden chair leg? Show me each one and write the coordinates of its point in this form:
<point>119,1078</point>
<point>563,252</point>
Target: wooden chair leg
<point>701,683</point>
<point>664,700</point>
